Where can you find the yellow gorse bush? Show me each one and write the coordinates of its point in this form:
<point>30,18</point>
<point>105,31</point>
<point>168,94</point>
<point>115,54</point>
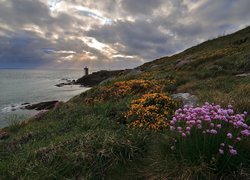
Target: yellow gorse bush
<point>121,89</point>
<point>151,111</point>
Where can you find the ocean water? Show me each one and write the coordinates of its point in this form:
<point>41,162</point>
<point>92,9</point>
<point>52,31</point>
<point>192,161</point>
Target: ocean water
<point>18,86</point>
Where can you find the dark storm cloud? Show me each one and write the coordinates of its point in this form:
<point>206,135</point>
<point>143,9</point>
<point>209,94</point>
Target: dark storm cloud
<point>138,7</point>
<point>21,12</point>
<point>111,33</point>
<point>22,51</point>
<point>139,38</point>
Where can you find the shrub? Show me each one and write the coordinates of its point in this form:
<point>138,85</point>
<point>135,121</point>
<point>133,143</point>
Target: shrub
<point>123,88</point>
<point>15,122</point>
<point>210,133</point>
<point>151,111</point>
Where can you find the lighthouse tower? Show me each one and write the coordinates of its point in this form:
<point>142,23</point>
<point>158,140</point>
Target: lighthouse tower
<point>86,71</point>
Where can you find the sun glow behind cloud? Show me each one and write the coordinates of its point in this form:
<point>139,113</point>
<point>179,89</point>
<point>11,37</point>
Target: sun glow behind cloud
<point>92,42</point>
<point>54,5</point>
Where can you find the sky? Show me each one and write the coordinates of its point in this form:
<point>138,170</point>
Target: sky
<point>110,34</point>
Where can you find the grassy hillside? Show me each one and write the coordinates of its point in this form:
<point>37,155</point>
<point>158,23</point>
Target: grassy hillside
<point>209,70</point>
<point>121,128</point>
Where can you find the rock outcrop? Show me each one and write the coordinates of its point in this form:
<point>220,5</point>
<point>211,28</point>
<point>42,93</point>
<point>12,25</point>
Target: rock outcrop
<point>97,77</point>
<point>186,98</point>
<point>3,134</point>
<point>42,105</point>
<point>243,75</point>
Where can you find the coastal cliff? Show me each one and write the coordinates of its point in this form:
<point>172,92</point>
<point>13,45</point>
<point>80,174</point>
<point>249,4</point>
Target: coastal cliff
<point>136,127</point>
<point>99,76</point>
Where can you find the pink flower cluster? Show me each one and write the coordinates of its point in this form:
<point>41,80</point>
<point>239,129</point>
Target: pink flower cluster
<point>212,119</point>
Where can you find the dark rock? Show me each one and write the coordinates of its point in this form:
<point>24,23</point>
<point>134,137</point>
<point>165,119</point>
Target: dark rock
<point>181,63</point>
<point>23,104</point>
<point>243,75</point>
<point>42,105</point>
<point>107,80</point>
<point>155,66</point>
<point>67,80</point>
<point>62,84</point>
<point>3,135</point>
<point>186,98</point>
<point>134,72</point>
<point>68,83</point>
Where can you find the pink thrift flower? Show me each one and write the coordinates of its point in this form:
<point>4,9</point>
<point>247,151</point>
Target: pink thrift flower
<point>192,122</point>
<point>245,132</point>
<point>179,128</point>
<point>233,151</point>
<point>213,131</point>
<point>230,106</point>
<point>207,118</point>
<point>222,144</point>
<point>199,121</point>
<point>172,128</point>
<point>188,128</point>
<point>245,126</point>
<point>218,126</point>
<point>199,126</point>
<point>230,111</point>
<point>229,135</point>
<point>183,135</point>
<point>221,151</point>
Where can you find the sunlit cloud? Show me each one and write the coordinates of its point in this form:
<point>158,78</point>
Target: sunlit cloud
<point>54,51</point>
<point>194,4</point>
<point>94,14</point>
<point>54,4</point>
<point>122,56</point>
<point>68,58</point>
<point>110,34</point>
<point>92,42</point>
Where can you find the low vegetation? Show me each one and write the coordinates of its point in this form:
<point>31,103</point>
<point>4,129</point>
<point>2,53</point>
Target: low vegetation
<point>132,128</point>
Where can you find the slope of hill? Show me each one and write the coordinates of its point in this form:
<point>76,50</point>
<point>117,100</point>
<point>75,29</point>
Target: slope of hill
<point>120,129</point>
<point>210,69</point>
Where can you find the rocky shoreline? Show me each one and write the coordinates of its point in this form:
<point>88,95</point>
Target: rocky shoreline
<point>47,105</point>
<point>85,81</point>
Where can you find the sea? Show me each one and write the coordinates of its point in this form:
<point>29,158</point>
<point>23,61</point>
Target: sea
<point>19,86</point>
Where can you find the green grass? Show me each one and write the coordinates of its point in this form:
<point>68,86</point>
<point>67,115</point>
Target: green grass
<point>82,143</point>
<point>79,141</point>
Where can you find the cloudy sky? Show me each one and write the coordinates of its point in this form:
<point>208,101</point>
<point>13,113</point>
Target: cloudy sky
<point>109,34</point>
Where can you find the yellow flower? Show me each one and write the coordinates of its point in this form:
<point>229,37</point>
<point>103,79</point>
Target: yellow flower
<point>152,111</point>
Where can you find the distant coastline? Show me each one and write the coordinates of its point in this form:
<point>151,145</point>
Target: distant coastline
<point>19,86</point>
